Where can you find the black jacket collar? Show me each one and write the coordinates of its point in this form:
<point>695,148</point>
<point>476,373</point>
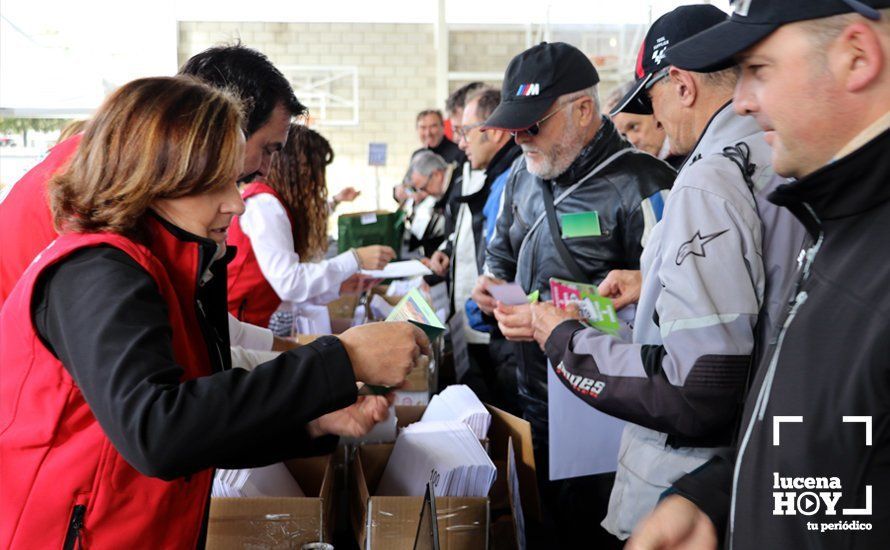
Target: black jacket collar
<point>846,187</point>
<point>187,257</point>
<point>502,160</point>
<point>604,144</point>
<point>448,150</point>
<point>207,247</point>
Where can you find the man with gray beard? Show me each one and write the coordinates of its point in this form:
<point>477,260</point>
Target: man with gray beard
<point>579,203</point>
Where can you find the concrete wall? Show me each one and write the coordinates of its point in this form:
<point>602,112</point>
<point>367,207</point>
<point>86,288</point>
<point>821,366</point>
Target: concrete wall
<point>396,71</point>
<point>396,80</point>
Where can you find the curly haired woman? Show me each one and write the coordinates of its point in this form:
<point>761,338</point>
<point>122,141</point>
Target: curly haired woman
<point>283,226</point>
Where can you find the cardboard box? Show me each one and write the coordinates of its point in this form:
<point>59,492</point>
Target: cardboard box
<point>277,522</point>
<point>391,522</point>
<point>342,312</point>
<point>503,426</point>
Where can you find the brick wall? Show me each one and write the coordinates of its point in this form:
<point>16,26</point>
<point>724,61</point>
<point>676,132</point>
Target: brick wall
<point>396,71</point>
<point>396,68</point>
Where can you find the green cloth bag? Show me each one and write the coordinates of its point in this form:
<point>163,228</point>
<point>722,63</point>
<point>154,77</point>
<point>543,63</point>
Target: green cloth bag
<point>369,228</point>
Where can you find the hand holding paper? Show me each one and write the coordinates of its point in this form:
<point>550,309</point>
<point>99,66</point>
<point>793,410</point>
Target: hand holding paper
<point>355,420</point>
<point>510,294</point>
<point>596,311</point>
<point>347,194</point>
<point>398,270</point>
<point>415,309</point>
<point>622,286</point>
<point>357,284</point>
<point>438,263</point>
<point>374,257</point>
<point>546,317</point>
<point>515,322</point>
<point>383,354</point>
<point>481,294</point>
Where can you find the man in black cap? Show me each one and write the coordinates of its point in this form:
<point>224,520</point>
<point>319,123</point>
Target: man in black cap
<point>811,468</point>
<point>708,269</point>
<point>575,167</point>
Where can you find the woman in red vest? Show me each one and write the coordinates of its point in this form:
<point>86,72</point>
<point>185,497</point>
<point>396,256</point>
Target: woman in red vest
<point>117,398</point>
<point>282,236</point>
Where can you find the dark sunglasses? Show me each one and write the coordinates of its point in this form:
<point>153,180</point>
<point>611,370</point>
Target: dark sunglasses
<point>535,128</point>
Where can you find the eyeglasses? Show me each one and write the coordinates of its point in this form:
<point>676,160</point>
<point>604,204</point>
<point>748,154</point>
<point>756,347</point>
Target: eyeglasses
<point>419,188</point>
<point>535,128</point>
<point>463,131</point>
<point>656,78</point>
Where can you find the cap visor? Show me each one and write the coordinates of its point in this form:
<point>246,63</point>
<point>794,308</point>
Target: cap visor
<point>715,49</point>
<point>635,101</point>
<point>518,114</point>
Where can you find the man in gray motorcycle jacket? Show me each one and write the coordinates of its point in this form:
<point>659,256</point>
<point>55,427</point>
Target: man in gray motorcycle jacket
<point>575,160</point>
<point>707,272</point>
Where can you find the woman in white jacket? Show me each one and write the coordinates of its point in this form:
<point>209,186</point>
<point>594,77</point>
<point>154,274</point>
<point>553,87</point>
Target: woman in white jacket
<point>282,236</point>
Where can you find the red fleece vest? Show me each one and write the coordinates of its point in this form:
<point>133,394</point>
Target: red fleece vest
<point>26,222</point>
<point>251,297</point>
<point>59,473</point>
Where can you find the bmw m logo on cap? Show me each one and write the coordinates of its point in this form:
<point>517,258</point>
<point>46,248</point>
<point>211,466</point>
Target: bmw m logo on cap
<point>526,90</point>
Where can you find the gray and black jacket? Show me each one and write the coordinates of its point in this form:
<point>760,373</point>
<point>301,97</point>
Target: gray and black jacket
<point>819,407</point>
<point>681,381</point>
<point>627,196</point>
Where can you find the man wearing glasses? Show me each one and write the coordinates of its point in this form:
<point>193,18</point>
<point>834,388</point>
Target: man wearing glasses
<point>428,178</point>
<point>719,254</point>
<point>577,168</point>
<point>815,76</point>
<point>491,369</point>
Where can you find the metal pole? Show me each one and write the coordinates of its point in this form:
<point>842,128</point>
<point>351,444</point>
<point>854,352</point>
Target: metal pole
<point>441,45</point>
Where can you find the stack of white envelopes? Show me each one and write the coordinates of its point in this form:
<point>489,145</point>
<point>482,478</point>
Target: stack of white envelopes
<point>446,452</point>
<point>458,402</point>
<point>269,481</point>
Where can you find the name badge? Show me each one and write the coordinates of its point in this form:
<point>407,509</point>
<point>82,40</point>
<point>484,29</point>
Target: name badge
<point>580,224</point>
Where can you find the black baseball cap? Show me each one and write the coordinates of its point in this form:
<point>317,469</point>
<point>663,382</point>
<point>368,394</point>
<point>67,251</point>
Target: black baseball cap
<point>535,79</point>
<point>669,29</point>
<point>751,22</point>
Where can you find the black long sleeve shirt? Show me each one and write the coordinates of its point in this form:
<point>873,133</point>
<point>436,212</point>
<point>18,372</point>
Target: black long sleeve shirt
<point>101,314</point>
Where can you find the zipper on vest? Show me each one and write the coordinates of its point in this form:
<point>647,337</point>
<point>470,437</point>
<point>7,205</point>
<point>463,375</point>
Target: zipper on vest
<point>241,309</point>
<point>222,363</point>
<point>75,528</point>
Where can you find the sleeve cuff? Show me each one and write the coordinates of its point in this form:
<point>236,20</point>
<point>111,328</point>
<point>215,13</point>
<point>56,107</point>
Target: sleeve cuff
<point>249,359</point>
<point>559,340</point>
<point>341,388</point>
<point>708,490</point>
<point>347,262</point>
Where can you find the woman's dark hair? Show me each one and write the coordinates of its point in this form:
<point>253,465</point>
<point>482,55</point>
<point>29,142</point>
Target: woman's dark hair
<point>249,75</point>
<point>298,175</point>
